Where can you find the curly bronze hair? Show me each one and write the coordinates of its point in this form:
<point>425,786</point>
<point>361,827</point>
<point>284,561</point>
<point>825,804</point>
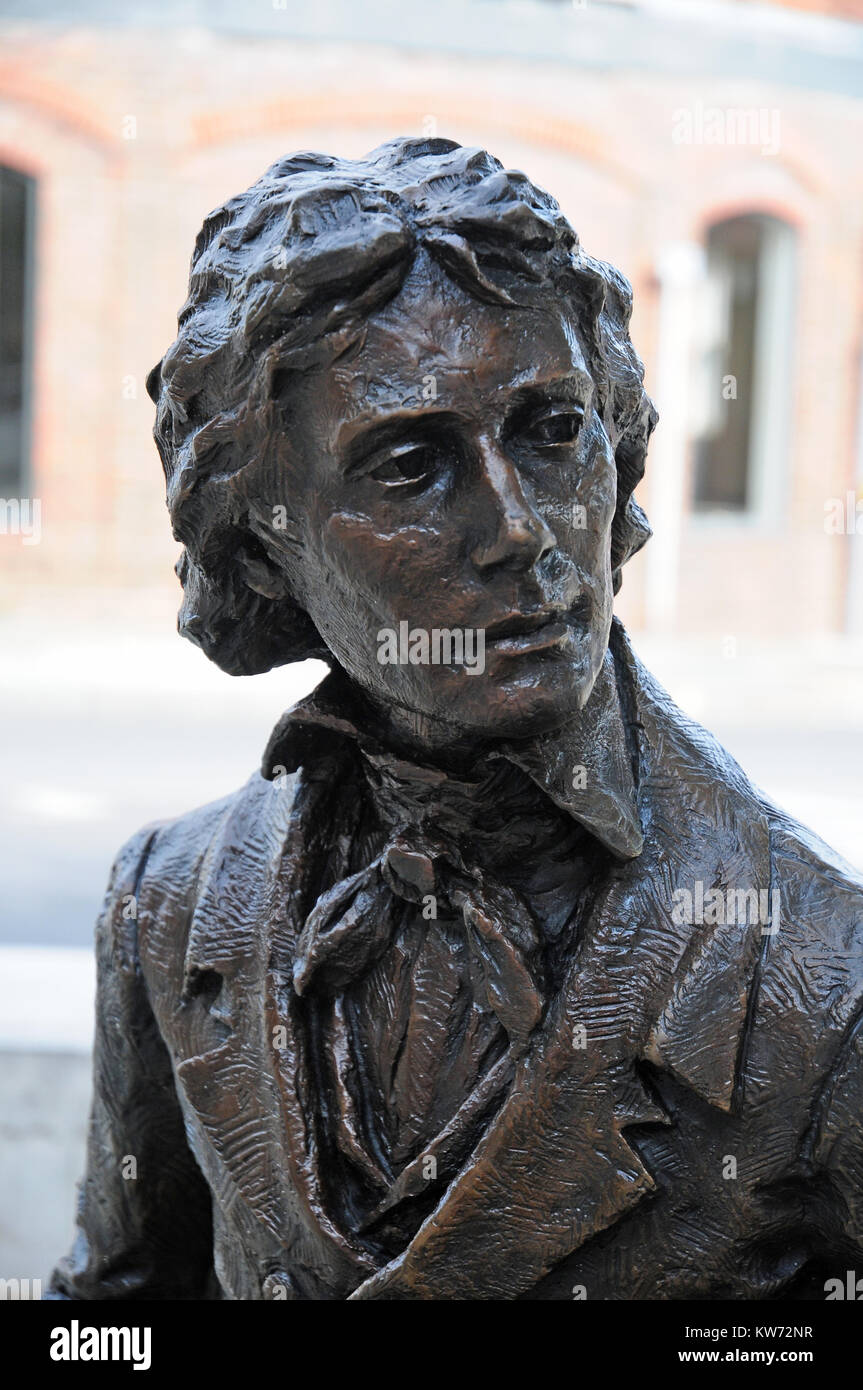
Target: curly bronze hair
<point>283,278</point>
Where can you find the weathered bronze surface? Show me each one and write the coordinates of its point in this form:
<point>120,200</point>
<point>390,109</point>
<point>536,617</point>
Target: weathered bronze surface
<point>499,980</point>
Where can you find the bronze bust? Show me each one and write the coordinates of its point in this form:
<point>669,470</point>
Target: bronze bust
<point>499,980</point>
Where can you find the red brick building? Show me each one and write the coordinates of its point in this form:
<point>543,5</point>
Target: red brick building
<point>712,153</point>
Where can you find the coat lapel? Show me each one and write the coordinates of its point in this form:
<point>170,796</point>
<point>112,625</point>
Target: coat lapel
<point>708,828</point>
<point>250,1093</point>
<point>553,1168</point>
<point>220,1074</point>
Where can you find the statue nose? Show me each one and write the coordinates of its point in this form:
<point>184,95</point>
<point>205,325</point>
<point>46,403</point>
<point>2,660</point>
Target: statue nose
<point>515,534</point>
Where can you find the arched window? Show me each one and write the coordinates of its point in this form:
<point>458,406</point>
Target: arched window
<point>740,456</point>
<point>16,275</point>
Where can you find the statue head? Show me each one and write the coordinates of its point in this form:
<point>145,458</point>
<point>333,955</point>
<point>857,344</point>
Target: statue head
<point>402,400</point>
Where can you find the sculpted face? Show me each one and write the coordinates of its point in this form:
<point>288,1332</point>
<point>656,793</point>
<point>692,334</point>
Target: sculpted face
<point>454,475</point>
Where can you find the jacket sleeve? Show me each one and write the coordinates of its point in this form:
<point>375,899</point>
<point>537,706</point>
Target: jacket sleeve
<point>144,1210</point>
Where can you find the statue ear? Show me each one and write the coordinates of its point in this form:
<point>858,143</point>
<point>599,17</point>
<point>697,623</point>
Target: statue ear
<point>263,577</point>
<point>278,535</point>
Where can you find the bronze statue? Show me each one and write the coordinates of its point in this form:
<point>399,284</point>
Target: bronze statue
<point>499,980</point>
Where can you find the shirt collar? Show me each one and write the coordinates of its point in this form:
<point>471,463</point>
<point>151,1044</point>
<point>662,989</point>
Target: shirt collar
<point>585,766</point>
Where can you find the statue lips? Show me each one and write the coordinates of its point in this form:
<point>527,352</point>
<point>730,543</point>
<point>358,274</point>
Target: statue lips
<point>522,633</point>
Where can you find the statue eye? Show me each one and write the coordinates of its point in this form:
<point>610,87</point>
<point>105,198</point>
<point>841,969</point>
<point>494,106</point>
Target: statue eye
<point>410,463</point>
<point>560,425</point>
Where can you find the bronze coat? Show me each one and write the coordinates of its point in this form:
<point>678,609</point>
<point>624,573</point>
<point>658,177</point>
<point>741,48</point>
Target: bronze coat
<point>607,1171</point>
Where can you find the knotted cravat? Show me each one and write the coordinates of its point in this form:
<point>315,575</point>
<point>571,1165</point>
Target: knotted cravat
<point>424,864</point>
<point>353,925</point>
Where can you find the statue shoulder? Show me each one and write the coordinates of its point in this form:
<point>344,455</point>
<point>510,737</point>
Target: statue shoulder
<point>804,1037</point>
<point>816,953</point>
<point>161,870</point>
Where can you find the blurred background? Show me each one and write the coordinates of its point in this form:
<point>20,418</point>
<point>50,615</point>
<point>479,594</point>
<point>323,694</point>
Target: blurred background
<point>711,151</point>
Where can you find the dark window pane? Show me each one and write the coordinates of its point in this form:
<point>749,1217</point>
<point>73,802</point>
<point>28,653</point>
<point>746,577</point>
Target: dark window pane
<point>16,214</point>
<point>722,454</point>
